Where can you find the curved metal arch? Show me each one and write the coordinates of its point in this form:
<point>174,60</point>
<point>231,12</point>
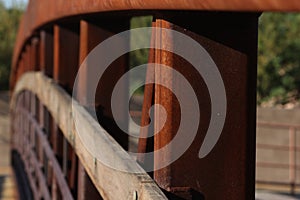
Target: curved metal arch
<point>43,12</point>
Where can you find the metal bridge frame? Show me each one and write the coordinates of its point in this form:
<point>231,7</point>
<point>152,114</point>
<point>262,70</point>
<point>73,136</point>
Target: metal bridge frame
<point>54,38</point>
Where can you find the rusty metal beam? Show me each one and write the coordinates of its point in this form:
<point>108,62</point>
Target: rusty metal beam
<point>228,171</point>
<point>91,34</point>
<point>35,16</point>
<point>46,53</point>
<point>145,143</point>
<point>66,53</point>
<point>35,54</point>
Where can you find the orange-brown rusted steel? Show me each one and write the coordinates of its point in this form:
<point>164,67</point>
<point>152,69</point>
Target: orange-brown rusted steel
<point>40,13</point>
<point>35,54</point>
<point>145,143</point>
<point>230,39</point>
<point>46,53</point>
<point>66,53</point>
<point>91,34</point>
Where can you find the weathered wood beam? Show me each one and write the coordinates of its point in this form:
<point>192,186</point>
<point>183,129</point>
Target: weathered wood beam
<point>105,178</point>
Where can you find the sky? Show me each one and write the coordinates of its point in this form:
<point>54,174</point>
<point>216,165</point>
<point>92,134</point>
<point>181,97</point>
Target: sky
<point>8,3</point>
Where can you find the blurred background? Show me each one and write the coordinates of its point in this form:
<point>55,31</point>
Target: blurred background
<point>10,12</point>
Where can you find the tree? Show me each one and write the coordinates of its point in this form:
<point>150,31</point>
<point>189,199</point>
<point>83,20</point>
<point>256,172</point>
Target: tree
<point>9,22</point>
<point>279,58</point>
<point>140,56</point>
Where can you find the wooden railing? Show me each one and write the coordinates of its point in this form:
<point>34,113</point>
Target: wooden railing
<point>48,149</point>
<point>53,40</point>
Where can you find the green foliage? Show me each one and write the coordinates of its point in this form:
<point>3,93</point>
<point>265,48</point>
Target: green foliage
<point>279,58</point>
<point>140,56</point>
<point>9,22</point>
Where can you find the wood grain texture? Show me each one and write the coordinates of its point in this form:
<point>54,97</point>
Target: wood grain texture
<point>111,183</point>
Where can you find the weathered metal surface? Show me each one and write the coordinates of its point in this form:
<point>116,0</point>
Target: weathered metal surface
<point>90,36</point>
<point>46,53</point>
<point>228,171</point>
<point>35,54</point>
<point>105,179</point>
<point>27,52</point>
<point>145,143</point>
<point>40,13</point>
<point>66,53</point>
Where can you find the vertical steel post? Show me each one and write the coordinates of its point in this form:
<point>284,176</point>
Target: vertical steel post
<point>228,172</point>
<point>145,143</point>
<point>66,52</point>
<point>92,34</point>
<point>46,53</point>
<point>35,54</point>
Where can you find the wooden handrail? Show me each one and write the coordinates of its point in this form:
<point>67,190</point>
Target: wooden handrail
<point>105,179</point>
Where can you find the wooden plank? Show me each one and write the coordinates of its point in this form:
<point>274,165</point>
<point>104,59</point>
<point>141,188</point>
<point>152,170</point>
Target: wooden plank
<point>59,105</point>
